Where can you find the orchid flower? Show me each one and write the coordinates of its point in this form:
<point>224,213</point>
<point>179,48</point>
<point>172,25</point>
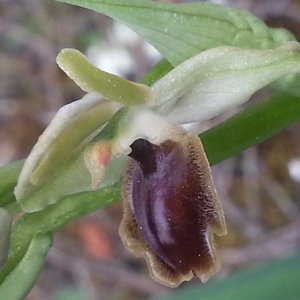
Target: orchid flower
<point>171,208</point>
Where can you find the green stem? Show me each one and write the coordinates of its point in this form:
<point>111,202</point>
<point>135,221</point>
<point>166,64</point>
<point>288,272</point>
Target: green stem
<point>162,68</point>
<point>250,127</point>
<point>53,218</point>
<point>19,282</point>
<point>8,179</point>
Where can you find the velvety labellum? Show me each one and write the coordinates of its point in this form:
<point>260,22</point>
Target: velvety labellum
<point>172,210</point>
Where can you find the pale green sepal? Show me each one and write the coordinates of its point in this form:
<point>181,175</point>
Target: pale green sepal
<point>72,126</point>
<point>217,79</point>
<point>93,80</point>
<point>21,279</point>
<point>70,178</point>
<point>5,228</point>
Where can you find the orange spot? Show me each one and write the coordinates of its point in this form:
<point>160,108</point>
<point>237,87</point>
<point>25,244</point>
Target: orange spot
<point>102,154</point>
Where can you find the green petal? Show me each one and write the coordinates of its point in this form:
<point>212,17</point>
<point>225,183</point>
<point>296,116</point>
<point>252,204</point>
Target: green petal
<point>217,79</point>
<point>93,80</point>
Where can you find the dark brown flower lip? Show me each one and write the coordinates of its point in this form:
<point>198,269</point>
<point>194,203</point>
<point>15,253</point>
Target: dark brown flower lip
<point>171,210</point>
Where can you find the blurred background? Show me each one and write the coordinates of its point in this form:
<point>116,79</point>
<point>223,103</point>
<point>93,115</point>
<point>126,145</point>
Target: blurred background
<point>259,189</point>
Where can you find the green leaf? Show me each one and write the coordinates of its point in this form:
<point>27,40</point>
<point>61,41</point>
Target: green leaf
<point>180,31</point>
<point>276,280</point>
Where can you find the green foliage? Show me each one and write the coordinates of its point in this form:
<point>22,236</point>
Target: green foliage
<point>182,30</point>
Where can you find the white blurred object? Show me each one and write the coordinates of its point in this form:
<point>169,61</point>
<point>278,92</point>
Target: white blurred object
<point>111,58</point>
<point>117,55</point>
<point>123,35</point>
<point>294,168</point>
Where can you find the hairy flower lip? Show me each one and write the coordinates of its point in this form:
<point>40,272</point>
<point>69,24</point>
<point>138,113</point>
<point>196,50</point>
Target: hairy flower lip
<point>171,210</point>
